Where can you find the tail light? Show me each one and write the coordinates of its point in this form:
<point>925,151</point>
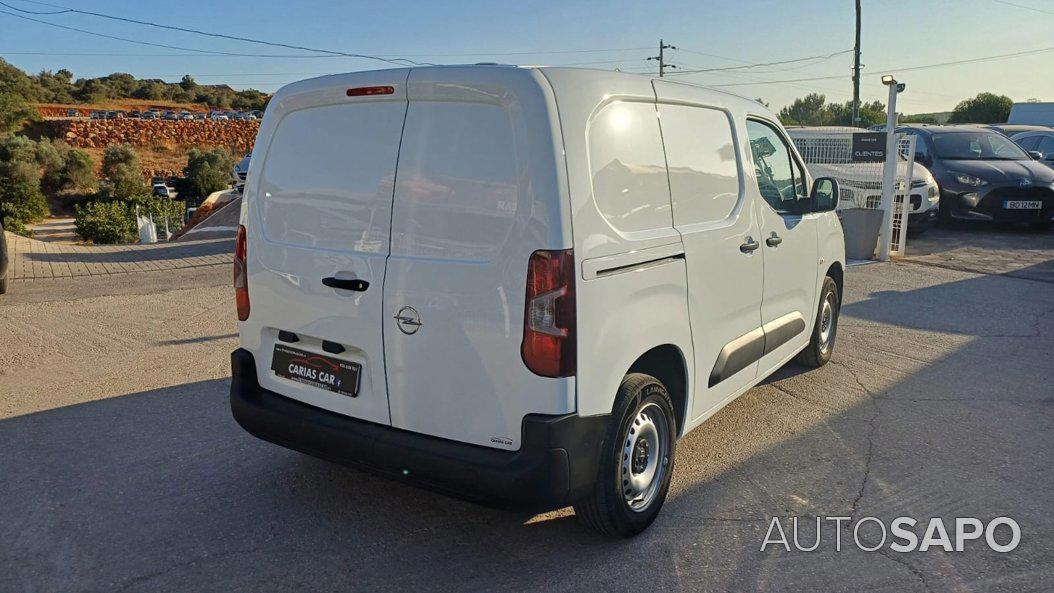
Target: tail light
<point>241,280</point>
<point>549,320</point>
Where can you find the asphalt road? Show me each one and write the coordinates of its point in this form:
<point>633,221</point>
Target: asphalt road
<point>122,470</point>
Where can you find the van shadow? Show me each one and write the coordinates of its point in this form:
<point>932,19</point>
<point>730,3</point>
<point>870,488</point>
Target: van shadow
<point>136,253</point>
<point>162,490</point>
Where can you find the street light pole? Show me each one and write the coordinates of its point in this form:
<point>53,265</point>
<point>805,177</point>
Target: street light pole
<point>889,171</point>
<point>856,70</point>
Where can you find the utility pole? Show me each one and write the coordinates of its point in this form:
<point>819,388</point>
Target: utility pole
<point>856,70</point>
<point>661,58</point>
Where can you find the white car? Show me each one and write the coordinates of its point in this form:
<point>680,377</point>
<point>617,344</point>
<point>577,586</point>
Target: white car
<point>549,293</point>
<point>240,171</point>
<point>827,154</point>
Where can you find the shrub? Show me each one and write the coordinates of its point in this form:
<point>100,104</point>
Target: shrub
<point>14,112</point>
<point>124,176</point>
<point>208,171</point>
<point>106,221</point>
<point>21,201</point>
<point>80,171</point>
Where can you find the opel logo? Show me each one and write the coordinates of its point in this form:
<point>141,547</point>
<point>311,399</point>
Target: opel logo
<point>1023,183</point>
<point>409,320</point>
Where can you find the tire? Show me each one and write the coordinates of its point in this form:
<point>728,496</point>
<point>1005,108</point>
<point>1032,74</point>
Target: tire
<point>825,330</point>
<point>944,214</point>
<point>641,442</point>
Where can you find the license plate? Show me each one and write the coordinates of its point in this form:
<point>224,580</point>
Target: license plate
<point>324,372</point>
<point>1022,205</point>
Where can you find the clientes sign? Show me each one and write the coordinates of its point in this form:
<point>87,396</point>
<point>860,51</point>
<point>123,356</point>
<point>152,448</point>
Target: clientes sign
<point>870,534</point>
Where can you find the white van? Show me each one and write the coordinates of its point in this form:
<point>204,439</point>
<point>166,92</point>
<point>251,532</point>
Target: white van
<point>522,285</point>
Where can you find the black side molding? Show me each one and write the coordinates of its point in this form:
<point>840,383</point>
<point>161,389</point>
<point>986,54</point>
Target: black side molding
<point>751,346</point>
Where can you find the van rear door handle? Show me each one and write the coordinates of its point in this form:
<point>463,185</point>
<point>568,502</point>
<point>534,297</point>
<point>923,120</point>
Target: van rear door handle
<point>774,240</point>
<point>346,284</point>
<point>749,246</point>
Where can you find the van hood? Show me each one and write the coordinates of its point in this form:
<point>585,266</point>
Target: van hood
<point>1000,172</point>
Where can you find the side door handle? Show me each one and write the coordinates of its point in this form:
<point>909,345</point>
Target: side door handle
<point>774,240</point>
<point>749,246</point>
<point>346,284</point>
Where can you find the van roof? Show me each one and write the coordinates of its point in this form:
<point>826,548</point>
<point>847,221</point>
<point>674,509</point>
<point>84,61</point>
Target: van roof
<point>585,73</point>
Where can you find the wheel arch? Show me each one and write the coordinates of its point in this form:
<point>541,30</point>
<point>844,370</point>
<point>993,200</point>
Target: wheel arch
<point>837,273</point>
<point>667,363</point>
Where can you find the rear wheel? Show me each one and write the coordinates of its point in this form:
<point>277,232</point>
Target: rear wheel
<point>637,460</point>
<point>824,331</point>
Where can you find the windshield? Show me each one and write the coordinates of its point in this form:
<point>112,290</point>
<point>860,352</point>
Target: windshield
<point>977,146</point>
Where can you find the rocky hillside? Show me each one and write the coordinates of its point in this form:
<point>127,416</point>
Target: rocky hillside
<point>239,136</point>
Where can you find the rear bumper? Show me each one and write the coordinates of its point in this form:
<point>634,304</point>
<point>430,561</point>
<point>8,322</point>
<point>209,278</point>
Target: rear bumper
<point>556,463</point>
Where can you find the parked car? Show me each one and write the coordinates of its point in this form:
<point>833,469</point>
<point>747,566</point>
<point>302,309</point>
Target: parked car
<point>199,115</point>
<point>1038,145</point>
<point>983,175</point>
<point>1009,130</point>
<point>170,115</point>
<point>112,114</point>
<point>186,116</point>
<point>828,153</point>
<point>72,113</point>
<point>135,113</point>
<point>95,114</point>
<point>3,258</point>
<point>659,275</point>
<point>160,191</point>
<point>259,114</point>
<point>149,115</point>
<point>154,181</point>
<point>241,171</point>
<point>218,115</point>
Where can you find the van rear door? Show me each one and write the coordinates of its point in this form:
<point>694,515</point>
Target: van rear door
<point>319,216</point>
<point>479,190</point>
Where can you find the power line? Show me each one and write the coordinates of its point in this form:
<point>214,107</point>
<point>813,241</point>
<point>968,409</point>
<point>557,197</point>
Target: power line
<point>66,9</point>
<point>1032,8</point>
<point>820,57</point>
<point>915,68</point>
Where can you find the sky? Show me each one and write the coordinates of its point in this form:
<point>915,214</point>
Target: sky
<point>897,35</point>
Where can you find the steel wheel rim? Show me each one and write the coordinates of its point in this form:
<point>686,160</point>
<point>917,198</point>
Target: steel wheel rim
<point>645,457</point>
<point>828,323</point>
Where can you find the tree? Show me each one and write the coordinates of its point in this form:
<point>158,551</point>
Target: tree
<point>14,112</point>
<point>813,110</point>
<point>805,111</point>
<point>985,108</point>
<point>124,176</point>
<point>208,171</point>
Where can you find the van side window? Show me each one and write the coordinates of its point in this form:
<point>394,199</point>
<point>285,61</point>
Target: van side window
<point>779,178</point>
<point>628,167</point>
<point>704,170</point>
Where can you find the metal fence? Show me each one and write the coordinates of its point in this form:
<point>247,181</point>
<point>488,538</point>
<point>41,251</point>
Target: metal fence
<point>829,152</point>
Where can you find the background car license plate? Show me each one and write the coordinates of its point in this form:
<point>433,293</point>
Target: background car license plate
<point>1022,205</point>
<point>324,372</point>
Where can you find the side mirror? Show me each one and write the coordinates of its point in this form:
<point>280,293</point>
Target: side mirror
<point>824,196</point>
<point>1036,155</point>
